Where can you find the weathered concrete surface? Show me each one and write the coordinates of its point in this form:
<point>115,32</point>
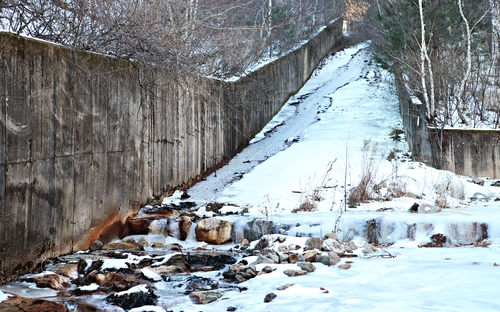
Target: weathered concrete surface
<point>86,139</point>
<point>469,152</point>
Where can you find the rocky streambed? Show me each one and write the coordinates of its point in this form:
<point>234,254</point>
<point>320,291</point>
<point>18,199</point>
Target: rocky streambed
<point>169,255</point>
<point>174,253</point>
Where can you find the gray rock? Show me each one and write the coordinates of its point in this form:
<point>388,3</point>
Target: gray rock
<point>97,245</point>
<point>263,259</point>
<point>269,297</point>
<point>204,297</point>
<point>369,249</point>
<point>330,258</point>
<point>306,266</point>
<point>345,266</point>
<point>333,245</point>
<point>285,287</point>
<point>291,273</point>
<point>314,243</point>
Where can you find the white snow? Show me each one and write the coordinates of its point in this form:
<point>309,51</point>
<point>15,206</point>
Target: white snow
<point>351,101</point>
<point>90,287</point>
<point>4,296</point>
<point>317,151</point>
<point>150,274</point>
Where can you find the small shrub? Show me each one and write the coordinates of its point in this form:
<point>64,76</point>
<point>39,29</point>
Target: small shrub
<point>397,134</point>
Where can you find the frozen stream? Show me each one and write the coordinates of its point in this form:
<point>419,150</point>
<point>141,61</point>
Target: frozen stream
<point>315,151</point>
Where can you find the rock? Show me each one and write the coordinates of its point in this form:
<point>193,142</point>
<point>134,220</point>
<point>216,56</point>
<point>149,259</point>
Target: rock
<point>291,273</point>
<point>306,266</point>
<point>269,297</point>
<point>244,244</point>
<point>54,281</point>
<point>314,243</point>
<point>257,228</point>
<point>267,269</point>
<point>496,183</point>
<point>369,249</point>
<point>214,231</point>
<point>478,181</point>
<point>69,270</point>
<point>344,266</point>
<point>123,246</point>
<point>130,300</point>
<point>137,225</point>
<point>155,240</point>
<point>262,244</point>
<point>331,235</point>
<point>309,255</point>
<point>293,258</point>
<point>204,297</point>
<point>414,208</point>
<point>184,226</point>
<point>335,258</point>
<point>231,309</point>
<point>428,208</point>
<point>93,307</point>
<point>333,245</point>
<point>327,259</point>
<point>352,245</point>
<point>239,278</point>
<point>263,259</point>
<point>284,257</point>
<point>285,287</point>
<point>97,245</point>
<point>437,240</point>
<point>16,304</point>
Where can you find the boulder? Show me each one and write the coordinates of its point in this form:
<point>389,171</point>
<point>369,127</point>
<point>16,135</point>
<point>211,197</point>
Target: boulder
<point>334,245</point>
<point>204,297</point>
<point>263,259</point>
<point>15,304</point>
<point>214,231</point>
<point>54,281</point>
<point>184,226</point>
<point>291,273</point>
<point>309,255</point>
<point>123,247</point>
<point>256,228</point>
<point>94,306</point>
<point>345,266</point>
<point>69,270</point>
<point>97,245</point>
<point>330,258</point>
<point>306,266</point>
<point>314,243</point>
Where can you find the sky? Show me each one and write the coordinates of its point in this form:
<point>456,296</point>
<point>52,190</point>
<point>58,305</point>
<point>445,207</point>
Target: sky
<point>336,129</point>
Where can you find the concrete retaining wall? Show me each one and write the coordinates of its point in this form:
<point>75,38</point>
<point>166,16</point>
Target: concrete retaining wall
<point>467,152</point>
<point>86,139</point>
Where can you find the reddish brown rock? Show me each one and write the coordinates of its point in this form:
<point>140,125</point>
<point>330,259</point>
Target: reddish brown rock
<point>16,304</point>
<point>54,281</point>
<point>184,226</point>
<point>309,255</point>
<point>69,270</point>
